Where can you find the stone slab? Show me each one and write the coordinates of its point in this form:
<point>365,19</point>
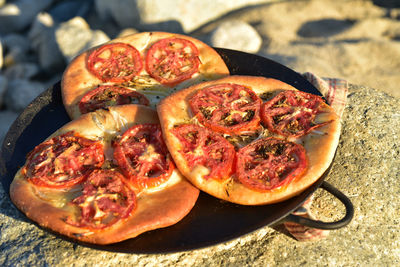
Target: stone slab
<point>366,169</point>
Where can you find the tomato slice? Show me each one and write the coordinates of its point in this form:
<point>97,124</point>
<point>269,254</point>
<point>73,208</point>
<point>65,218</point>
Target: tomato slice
<point>63,161</point>
<point>115,62</point>
<point>143,156</point>
<point>200,146</point>
<point>292,113</point>
<point>227,108</point>
<point>270,163</point>
<point>105,200</point>
<point>172,60</point>
<point>110,95</point>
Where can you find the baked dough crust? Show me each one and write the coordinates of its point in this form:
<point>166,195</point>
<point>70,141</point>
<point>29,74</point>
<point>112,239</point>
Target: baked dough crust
<point>320,145</point>
<point>77,80</point>
<point>155,208</point>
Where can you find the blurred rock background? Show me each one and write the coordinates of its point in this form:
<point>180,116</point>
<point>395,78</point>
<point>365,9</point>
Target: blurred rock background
<point>357,40</point>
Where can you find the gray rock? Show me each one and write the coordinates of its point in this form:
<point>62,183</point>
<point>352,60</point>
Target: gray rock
<point>1,54</point>
<point>367,46</point>
<point>98,37</point>
<point>3,88</point>
<point>20,93</point>
<point>15,57</point>
<point>366,169</point>
<point>75,36</point>
<point>109,27</point>
<point>23,71</point>
<point>16,49</point>
<point>42,37</point>
<point>103,9</point>
<point>237,35</point>
<point>6,119</point>
<point>17,42</point>
<point>19,14</point>
<point>169,15</point>
<point>124,12</point>
<point>68,9</point>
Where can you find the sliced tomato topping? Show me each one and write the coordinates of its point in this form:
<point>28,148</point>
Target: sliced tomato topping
<point>292,113</point>
<point>63,161</point>
<point>172,60</point>
<point>227,108</point>
<point>115,62</point>
<point>110,95</point>
<point>270,163</point>
<point>200,146</point>
<point>105,200</point>
<point>143,156</point>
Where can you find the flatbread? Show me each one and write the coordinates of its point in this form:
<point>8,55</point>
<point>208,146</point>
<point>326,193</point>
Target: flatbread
<point>156,208</point>
<point>320,144</point>
<point>77,80</point>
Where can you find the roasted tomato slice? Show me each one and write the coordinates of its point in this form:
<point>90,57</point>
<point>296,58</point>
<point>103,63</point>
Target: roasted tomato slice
<point>115,62</point>
<point>105,200</point>
<point>270,163</point>
<point>143,156</point>
<point>291,113</point>
<point>172,60</point>
<point>63,161</point>
<point>110,95</point>
<point>227,108</point>
<point>200,146</point>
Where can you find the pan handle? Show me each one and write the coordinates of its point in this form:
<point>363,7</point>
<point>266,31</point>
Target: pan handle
<point>327,225</point>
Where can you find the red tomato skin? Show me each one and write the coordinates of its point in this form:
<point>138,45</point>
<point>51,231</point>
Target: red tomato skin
<point>254,180</point>
<point>135,173</point>
<point>90,151</point>
<point>155,69</point>
<point>114,64</point>
<point>211,95</point>
<point>123,94</point>
<point>103,181</point>
<point>308,104</point>
<point>218,156</point>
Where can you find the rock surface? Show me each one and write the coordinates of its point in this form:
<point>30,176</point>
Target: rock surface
<point>236,35</point>
<point>20,93</point>
<point>74,36</point>
<point>366,169</point>
<point>7,118</point>
<point>1,54</point>
<point>42,39</point>
<point>68,9</point>
<point>171,15</point>
<point>17,47</point>
<point>354,40</point>
<point>22,71</point>
<point>3,88</point>
<point>19,14</point>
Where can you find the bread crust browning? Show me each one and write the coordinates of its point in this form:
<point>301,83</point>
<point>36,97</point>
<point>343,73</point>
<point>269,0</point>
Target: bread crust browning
<point>155,208</point>
<point>320,145</point>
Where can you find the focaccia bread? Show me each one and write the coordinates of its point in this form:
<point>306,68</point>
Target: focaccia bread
<point>249,140</point>
<point>103,178</point>
<point>140,69</point>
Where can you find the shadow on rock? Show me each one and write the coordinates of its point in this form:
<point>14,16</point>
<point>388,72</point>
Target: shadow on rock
<point>387,3</point>
<point>324,27</point>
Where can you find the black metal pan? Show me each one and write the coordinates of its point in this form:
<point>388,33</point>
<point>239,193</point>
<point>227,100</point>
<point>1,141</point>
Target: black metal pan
<point>211,221</point>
